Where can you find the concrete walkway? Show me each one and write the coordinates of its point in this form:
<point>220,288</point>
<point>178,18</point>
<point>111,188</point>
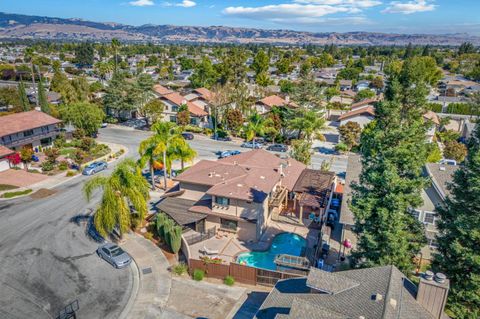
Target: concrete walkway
<point>154,279</point>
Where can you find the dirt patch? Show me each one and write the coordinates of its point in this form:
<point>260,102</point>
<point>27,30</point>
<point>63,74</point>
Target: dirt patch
<point>42,193</point>
<point>20,178</point>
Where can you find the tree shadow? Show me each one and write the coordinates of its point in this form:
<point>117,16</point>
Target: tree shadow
<point>90,230</point>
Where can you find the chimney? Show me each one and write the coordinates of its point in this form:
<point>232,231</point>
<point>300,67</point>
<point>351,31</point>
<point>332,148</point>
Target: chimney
<point>184,102</point>
<point>432,293</point>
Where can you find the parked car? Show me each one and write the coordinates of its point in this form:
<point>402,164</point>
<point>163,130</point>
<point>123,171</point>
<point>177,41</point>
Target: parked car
<point>218,137</point>
<point>332,218</point>
<point>223,154</point>
<point>278,148</point>
<point>251,145</point>
<point>94,168</point>
<point>114,255</point>
<point>187,136</point>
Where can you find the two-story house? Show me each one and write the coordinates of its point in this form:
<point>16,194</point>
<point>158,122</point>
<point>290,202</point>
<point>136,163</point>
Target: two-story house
<point>265,105</point>
<point>233,194</point>
<point>173,101</point>
<point>32,129</point>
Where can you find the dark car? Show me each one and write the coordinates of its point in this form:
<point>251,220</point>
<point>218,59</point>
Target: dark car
<point>114,255</point>
<point>228,153</point>
<point>278,148</point>
<point>220,137</point>
<point>187,136</point>
<point>94,168</point>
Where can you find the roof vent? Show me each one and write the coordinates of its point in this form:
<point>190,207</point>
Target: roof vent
<point>393,303</point>
<point>428,275</point>
<point>239,185</point>
<point>440,278</point>
<point>210,174</point>
<point>442,168</point>
<point>262,177</point>
<point>377,297</point>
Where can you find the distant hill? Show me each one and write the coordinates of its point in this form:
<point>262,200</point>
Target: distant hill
<point>17,26</point>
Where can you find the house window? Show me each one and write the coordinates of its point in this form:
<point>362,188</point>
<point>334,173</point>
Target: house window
<point>28,133</point>
<point>228,224</point>
<point>432,243</point>
<point>222,201</point>
<point>173,118</point>
<point>430,218</point>
<point>415,214</point>
<point>174,108</point>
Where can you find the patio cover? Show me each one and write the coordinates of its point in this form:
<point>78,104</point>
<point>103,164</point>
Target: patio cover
<point>177,209</point>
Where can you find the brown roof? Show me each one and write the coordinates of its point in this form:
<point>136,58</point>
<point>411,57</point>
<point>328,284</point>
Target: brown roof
<point>369,110</point>
<point>177,99</point>
<point>19,122</point>
<point>442,176</point>
<point>275,100</point>
<point>363,103</point>
<point>354,169</point>
<point>315,187</point>
<point>432,116</point>
<point>205,93</point>
<point>160,89</point>
<point>248,176</point>
<point>5,151</point>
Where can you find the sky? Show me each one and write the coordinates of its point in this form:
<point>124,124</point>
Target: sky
<point>397,16</point>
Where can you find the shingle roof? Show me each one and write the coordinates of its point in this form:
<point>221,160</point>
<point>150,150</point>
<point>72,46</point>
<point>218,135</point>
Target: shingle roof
<point>19,122</point>
<point>161,90</point>
<point>441,176</point>
<point>275,100</point>
<point>328,282</point>
<point>354,168</point>
<point>354,302</point>
<point>368,110</point>
<point>177,208</point>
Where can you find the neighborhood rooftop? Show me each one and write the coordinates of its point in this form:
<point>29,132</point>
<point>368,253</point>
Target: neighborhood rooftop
<point>24,121</point>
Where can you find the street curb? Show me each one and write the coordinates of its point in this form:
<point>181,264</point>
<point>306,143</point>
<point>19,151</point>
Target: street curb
<point>133,296</point>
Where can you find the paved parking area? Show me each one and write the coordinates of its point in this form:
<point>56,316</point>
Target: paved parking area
<point>20,178</point>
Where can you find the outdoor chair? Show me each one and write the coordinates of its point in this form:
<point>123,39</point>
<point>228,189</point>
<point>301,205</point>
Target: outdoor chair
<point>210,251</point>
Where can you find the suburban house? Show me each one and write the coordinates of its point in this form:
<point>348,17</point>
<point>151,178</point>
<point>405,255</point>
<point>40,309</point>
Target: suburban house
<point>433,196</point>
<point>265,105</point>
<point>202,97</point>
<point>361,115</point>
<point>242,193</point>
<point>371,293</point>
<point>173,101</point>
<point>32,129</point>
<point>4,162</point>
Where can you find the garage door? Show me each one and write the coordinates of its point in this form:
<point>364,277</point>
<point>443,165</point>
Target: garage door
<point>4,165</point>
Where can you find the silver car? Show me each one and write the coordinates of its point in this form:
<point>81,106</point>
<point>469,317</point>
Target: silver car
<point>94,168</point>
<point>114,255</point>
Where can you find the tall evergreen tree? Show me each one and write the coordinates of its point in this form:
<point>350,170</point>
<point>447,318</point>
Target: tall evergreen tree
<point>23,97</point>
<point>42,98</point>
<point>394,151</point>
<point>459,237</point>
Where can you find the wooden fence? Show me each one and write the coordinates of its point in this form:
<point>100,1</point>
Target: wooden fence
<point>242,273</point>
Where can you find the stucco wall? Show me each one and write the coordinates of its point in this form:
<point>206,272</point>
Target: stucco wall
<point>194,191</point>
<point>246,231</point>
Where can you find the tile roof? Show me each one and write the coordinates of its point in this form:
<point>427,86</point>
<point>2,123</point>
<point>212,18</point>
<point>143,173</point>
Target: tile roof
<point>248,176</point>
<point>354,168</point>
<point>368,110</point>
<point>5,151</point>
<point>205,93</point>
<point>179,100</point>
<point>161,90</point>
<point>355,301</point>
<point>19,122</point>
<point>275,100</point>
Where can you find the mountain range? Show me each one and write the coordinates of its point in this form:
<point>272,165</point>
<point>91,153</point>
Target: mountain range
<point>17,26</point>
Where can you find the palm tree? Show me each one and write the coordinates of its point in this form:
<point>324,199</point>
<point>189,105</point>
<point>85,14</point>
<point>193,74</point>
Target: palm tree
<point>307,122</point>
<point>184,152</point>
<point>124,188</point>
<point>254,127</point>
<point>115,44</point>
<point>166,136</point>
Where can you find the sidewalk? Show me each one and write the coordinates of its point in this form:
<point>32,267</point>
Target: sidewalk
<point>153,276</point>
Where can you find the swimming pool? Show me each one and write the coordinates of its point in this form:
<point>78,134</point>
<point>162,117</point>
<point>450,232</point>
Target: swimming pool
<point>285,243</point>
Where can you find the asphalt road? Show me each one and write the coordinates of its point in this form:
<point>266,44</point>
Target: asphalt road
<point>46,259</point>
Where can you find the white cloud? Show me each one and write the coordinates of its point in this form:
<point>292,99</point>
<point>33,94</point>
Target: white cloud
<point>306,11</point>
<point>184,3</point>
<point>141,3</point>
<point>410,7</point>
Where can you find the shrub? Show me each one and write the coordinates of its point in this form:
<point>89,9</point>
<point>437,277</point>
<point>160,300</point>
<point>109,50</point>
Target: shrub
<point>180,269</point>
<point>341,147</point>
<point>47,166</point>
<point>63,166</point>
<point>148,235</point>
<point>193,129</point>
<point>207,131</point>
<point>229,281</point>
<point>15,194</point>
<point>7,187</point>
<point>111,120</point>
<point>198,274</point>
<point>71,173</point>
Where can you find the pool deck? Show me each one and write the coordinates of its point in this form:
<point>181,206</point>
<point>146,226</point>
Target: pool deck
<point>228,246</point>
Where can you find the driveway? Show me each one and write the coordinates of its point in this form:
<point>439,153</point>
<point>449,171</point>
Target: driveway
<point>20,178</point>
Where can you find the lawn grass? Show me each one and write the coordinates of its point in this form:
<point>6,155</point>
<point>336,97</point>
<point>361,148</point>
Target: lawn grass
<point>6,187</point>
<point>15,194</point>
<point>67,151</point>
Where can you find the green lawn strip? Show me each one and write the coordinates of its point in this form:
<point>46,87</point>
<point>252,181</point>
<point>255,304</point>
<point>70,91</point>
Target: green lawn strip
<point>15,194</point>
<point>6,187</point>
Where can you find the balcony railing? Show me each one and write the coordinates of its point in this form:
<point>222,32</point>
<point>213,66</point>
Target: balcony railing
<point>31,139</point>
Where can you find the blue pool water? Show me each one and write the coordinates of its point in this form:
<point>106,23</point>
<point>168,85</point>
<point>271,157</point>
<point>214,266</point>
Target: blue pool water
<point>285,243</point>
